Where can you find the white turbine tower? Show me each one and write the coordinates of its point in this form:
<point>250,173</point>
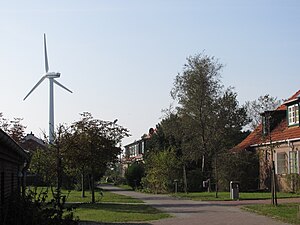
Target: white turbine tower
<point>51,76</point>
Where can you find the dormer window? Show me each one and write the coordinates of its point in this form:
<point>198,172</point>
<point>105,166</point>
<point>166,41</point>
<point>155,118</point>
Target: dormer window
<point>270,119</point>
<point>293,114</point>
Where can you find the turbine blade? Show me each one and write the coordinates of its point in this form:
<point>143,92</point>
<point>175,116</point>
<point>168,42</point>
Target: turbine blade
<point>46,57</point>
<point>59,84</point>
<point>35,86</point>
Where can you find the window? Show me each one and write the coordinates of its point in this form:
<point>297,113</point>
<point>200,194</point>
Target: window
<point>136,149</point>
<point>282,163</point>
<point>131,151</point>
<point>143,147</point>
<point>293,162</point>
<point>293,114</point>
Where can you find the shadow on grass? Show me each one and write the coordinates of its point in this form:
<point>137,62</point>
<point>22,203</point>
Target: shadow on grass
<point>99,223</point>
<point>124,208</point>
<point>114,213</point>
<point>111,187</point>
<point>95,223</point>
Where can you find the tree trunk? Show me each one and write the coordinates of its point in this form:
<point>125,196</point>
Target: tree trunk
<point>59,176</point>
<point>184,179</point>
<point>203,163</point>
<point>216,171</point>
<point>93,186</point>
<point>273,185</point>
<point>82,185</point>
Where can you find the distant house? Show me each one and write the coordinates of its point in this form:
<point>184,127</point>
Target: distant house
<point>31,143</point>
<point>279,131</point>
<point>134,152</point>
<point>13,160</point>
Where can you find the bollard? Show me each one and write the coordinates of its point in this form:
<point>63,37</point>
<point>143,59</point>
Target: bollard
<point>176,185</point>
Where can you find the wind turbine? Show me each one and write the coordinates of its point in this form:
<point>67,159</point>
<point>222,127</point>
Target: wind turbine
<point>51,76</point>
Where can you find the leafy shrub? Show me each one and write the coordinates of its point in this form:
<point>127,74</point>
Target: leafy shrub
<point>134,175</point>
<point>242,166</point>
<point>33,209</point>
<point>162,168</point>
<point>194,178</point>
<point>293,180</point>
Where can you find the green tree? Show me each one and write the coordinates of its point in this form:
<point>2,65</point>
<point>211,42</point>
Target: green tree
<point>50,163</point>
<point>231,118</point>
<point>75,155</point>
<point>92,145</point>
<point>43,164</point>
<point>239,166</point>
<point>169,134</point>
<point>161,169</point>
<point>196,90</point>
<point>134,175</point>
<point>211,118</point>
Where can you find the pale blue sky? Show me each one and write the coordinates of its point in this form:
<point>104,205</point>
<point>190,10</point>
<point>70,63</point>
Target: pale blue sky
<point>120,58</point>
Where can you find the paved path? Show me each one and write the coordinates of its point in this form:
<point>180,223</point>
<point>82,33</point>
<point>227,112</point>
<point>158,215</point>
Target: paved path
<point>188,212</point>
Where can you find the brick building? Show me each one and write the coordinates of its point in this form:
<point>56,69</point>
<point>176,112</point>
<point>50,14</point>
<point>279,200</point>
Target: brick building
<point>277,139</point>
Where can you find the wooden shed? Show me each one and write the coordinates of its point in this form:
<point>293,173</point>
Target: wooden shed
<point>13,160</point>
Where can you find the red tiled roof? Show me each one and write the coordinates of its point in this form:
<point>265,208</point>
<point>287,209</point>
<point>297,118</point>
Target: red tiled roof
<point>280,133</point>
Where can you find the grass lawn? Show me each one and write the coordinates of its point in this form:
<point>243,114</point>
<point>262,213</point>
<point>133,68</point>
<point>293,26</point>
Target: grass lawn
<point>285,212</point>
<point>109,208</point>
<point>225,196</point>
<point>75,196</point>
<point>106,212</point>
<point>125,187</point>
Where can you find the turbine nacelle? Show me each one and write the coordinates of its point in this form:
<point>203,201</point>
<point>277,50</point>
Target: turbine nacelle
<point>52,75</point>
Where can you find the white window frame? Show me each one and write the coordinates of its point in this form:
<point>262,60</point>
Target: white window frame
<point>290,163</point>
<point>285,160</point>
<point>293,114</point>
<point>293,159</point>
<point>143,147</point>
